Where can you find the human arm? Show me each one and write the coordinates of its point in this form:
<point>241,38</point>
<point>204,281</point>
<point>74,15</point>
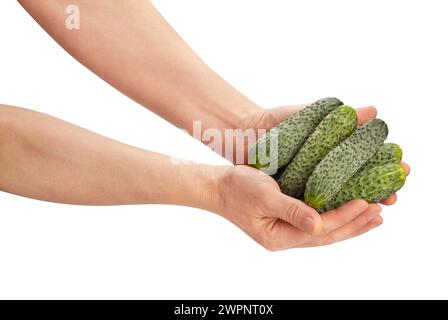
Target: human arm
<point>46,158</point>
<point>49,159</point>
<point>131,46</point>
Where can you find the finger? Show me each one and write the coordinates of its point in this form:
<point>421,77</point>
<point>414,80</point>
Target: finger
<point>366,114</point>
<point>351,228</point>
<point>371,225</point>
<point>296,213</point>
<point>390,201</point>
<point>344,214</point>
<point>406,168</point>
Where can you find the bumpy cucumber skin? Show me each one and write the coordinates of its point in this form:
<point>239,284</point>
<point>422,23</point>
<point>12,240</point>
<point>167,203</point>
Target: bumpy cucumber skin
<point>388,153</point>
<point>333,129</point>
<point>373,185</point>
<point>342,163</point>
<point>291,133</point>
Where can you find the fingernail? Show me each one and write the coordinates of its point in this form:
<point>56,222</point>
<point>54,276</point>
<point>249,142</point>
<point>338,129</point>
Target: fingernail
<point>308,225</point>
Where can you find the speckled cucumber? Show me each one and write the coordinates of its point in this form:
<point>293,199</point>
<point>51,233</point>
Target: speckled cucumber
<point>290,135</point>
<point>388,153</point>
<point>373,185</point>
<point>333,129</point>
<point>342,163</point>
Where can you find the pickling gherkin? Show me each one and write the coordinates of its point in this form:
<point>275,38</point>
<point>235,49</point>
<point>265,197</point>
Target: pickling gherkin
<point>288,136</point>
<point>333,129</point>
<point>388,153</point>
<point>343,162</point>
<point>373,185</point>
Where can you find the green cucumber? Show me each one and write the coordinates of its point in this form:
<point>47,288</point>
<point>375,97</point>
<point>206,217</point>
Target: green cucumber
<point>342,163</point>
<point>373,185</point>
<point>388,153</point>
<point>333,129</point>
<point>288,136</point>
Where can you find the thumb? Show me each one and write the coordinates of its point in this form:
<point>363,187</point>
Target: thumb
<point>298,214</point>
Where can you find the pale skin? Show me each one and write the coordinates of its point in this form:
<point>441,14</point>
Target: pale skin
<point>133,48</point>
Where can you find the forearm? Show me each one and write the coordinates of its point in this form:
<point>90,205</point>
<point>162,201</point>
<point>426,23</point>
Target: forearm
<point>46,158</point>
<point>131,46</point>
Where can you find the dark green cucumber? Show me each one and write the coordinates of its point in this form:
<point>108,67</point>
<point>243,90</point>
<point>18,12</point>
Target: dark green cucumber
<point>333,129</point>
<point>288,136</point>
<point>342,163</point>
<point>373,185</point>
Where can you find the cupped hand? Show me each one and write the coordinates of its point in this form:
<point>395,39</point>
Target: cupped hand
<point>253,201</point>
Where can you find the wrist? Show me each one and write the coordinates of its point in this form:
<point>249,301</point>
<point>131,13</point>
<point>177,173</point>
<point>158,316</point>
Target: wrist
<point>221,108</point>
<point>207,187</point>
<point>244,116</point>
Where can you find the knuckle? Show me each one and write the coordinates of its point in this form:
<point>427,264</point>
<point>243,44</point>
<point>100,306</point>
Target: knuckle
<point>293,214</point>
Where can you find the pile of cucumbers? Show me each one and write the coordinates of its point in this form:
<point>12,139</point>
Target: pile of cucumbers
<point>324,158</point>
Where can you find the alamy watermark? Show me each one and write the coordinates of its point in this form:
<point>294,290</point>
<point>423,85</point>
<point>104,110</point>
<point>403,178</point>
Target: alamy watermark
<point>239,146</point>
<point>73,18</point>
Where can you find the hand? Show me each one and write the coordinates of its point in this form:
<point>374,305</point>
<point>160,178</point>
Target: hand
<point>253,201</point>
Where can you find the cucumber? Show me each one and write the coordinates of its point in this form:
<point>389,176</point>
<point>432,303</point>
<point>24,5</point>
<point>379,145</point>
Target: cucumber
<point>388,153</point>
<point>288,136</point>
<point>373,185</point>
<point>342,163</point>
<point>333,129</point>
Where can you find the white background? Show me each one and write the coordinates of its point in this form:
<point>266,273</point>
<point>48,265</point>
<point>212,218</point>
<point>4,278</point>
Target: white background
<point>391,54</point>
